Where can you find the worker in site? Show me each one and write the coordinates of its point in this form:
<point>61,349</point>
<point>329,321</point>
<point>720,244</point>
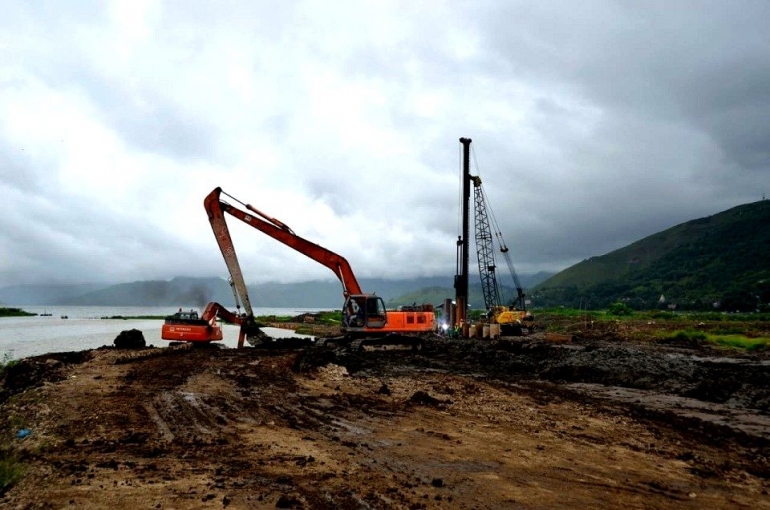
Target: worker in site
<point>354,314</point>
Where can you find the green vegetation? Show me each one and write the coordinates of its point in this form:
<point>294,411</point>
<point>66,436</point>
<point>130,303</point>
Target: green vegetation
<point>740,342</point>
<point>6,362</point>
<point>732,321</point>
<point>332,318</point>
<point>326,317</point>
<point>747,331</point>
<point>737,341</point>
<point>329,318</point>
<point>688,336</point>
<point>137,317</point>
<point>11,471</point>
<point>15,312</point>
<point>715,263</point>
<point>619,309</point>
<point>16,422</point>
<point>263,319</point>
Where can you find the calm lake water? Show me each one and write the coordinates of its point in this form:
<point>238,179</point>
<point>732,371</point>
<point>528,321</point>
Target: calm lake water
<point>84,328</point>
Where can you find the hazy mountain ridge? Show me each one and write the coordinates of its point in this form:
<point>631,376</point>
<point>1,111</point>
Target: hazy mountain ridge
<point>46,294</point>
<point>719,261</point>
<point>189,291</point>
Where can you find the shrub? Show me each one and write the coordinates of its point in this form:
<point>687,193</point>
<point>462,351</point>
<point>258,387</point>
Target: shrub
<point>689,336</point>
<point>6,362</point>
<point>619,309</point>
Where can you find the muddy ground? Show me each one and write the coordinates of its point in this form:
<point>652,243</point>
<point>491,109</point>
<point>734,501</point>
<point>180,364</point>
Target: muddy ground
<point>603,421</point>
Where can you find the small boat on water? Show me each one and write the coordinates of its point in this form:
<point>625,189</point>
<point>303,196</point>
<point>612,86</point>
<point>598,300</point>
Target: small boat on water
<point>189,327</point>
<point>45,314</point>
<point>65,317</point>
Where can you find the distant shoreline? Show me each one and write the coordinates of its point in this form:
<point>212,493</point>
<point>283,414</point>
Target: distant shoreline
<point>15,312</point>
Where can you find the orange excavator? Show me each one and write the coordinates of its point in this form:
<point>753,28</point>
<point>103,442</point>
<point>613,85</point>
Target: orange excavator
<point>366,321</point>
<point>186,326</point>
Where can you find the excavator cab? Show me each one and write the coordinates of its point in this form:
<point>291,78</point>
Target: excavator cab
<point>363,311</point>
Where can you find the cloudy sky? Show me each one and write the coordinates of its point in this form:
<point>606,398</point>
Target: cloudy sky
<point>594,124</point>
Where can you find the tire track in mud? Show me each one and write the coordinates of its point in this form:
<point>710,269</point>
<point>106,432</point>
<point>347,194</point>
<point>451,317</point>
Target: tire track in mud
<point>751,423</point>
<point>487,424</point>
<point>733,392</point>
<point>698,393</point>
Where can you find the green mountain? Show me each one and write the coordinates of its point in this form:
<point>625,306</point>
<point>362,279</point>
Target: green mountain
<point>718,262</point>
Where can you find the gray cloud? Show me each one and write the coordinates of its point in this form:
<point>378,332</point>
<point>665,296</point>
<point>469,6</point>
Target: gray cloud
<point>594,125</point>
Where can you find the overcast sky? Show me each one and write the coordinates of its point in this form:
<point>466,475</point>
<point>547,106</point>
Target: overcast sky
<point>594,124</point>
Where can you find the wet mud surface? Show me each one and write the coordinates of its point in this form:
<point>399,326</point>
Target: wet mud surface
<point>515,423</point>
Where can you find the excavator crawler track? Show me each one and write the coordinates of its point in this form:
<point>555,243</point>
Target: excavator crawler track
<point>333,343</point>
<point>394,342</point>
<point>284,343</point>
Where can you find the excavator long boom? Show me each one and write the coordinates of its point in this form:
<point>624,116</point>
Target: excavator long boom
<point>216,207</point>
<point>363,314</point>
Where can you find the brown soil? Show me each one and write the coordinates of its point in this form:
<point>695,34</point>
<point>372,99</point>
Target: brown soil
<point>516,423</point>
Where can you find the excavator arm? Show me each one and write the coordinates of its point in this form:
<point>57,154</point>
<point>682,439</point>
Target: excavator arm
<point>216,209</point>
<point>249,328</point>
<point>363,314</point>
<point>214,310</point>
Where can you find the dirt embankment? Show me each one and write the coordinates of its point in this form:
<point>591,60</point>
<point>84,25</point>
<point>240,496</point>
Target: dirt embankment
<point>519,423</point>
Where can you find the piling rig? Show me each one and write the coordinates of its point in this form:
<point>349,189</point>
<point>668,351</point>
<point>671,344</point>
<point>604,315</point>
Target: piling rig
<point>511,315</point>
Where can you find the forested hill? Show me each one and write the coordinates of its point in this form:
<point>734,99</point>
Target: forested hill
<point>718,262</point>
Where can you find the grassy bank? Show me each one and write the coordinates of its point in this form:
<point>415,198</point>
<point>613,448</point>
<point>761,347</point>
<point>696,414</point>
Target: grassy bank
<point>736,341</point>
<point>658,315</point>
<point>15,312</point>
<point>330,317</point>
<point>135,317</point>
<point>745,331</point>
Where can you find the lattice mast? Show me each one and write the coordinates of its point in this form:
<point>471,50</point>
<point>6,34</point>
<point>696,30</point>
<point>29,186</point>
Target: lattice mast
<point>485,247</point>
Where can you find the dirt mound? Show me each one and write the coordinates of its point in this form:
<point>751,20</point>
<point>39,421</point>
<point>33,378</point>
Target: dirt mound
<point>704,374</point>
<point>130,339</point>
<point>424,399</point>
<point>32,372</point>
